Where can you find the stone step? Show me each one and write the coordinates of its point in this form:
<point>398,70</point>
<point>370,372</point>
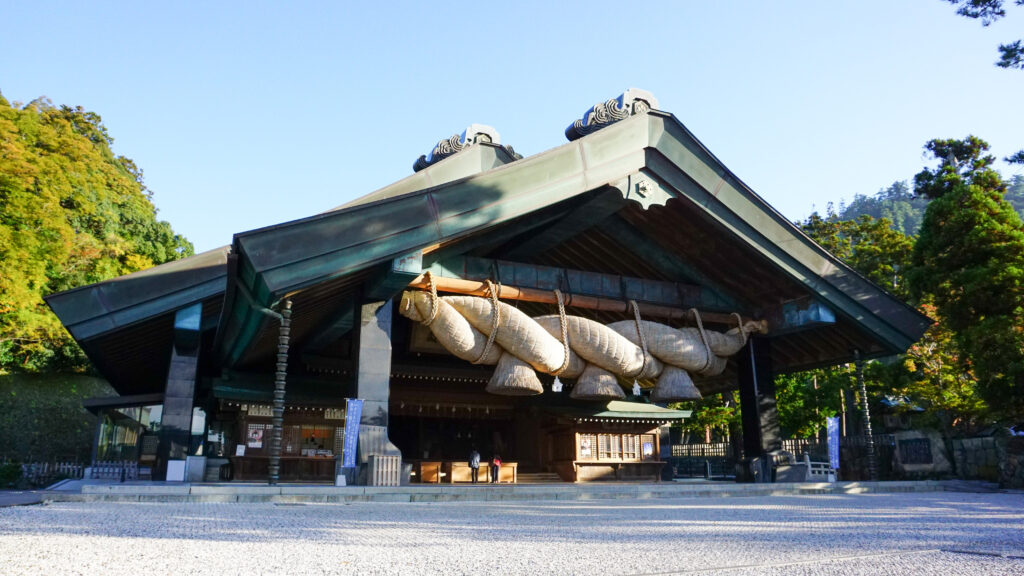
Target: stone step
<point>538,478</point>
<point>240,492</point>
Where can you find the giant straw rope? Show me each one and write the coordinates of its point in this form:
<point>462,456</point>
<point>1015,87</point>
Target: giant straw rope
<point>488,331</point>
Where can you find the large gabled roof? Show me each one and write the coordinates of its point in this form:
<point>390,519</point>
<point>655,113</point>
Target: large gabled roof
<point>675,192</point>
<point>654,149</point>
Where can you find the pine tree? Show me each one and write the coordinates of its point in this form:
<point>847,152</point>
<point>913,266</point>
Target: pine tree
<point>969,262</point>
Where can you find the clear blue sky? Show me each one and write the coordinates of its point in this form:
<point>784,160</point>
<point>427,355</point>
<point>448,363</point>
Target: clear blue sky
<point>246,114</point>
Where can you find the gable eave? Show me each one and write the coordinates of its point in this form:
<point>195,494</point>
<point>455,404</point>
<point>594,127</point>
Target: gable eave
<point>294,256</point>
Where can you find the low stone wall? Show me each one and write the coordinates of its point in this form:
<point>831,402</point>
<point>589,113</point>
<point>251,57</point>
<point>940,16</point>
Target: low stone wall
<point>976,458</point>
<point>1012,468</point>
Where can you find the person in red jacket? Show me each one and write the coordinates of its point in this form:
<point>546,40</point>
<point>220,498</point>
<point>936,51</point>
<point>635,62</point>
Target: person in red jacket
<point>495,468</point>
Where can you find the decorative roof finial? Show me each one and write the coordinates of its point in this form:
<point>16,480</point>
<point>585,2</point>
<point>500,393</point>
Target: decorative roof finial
<point>631,102</point>
<point>474,134</point>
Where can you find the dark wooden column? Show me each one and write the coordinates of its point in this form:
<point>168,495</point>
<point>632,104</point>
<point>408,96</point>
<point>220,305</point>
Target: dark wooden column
<point>665,451</point>
<point>760,416</point>
<point>280,378</point>
<point>176,420</point>
<point>870,438</point>
<point>373,381</point>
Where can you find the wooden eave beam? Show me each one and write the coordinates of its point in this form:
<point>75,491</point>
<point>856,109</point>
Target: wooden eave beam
<point>606,202</point>
<point>640,245</point>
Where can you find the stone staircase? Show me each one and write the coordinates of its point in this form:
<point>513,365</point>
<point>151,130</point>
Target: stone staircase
<point>212,472</point>
<point>539,478</point>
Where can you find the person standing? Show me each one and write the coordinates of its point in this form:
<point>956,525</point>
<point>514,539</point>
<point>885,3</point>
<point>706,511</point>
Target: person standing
<point>474,464</point>
<point>495,468</point>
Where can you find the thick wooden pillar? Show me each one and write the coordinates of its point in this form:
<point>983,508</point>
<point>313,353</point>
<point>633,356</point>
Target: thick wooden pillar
<point>761,435</point>
<point>373,381</point>
<point>179,390</point>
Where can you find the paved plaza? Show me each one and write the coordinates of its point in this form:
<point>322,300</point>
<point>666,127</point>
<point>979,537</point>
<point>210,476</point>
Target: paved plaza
<point>916,533</point>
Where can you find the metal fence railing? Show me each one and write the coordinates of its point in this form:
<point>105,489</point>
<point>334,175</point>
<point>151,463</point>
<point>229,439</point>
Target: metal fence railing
<point>718,460</point>
<point>44,473</point>
<point>114,470</point>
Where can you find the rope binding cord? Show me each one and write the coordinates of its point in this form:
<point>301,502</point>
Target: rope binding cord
<point>643,338</point>
<point>434,306</point>
<point>704,338</point>
<point>563,321</point>
<point>493,290</point>
<point>739,324</point>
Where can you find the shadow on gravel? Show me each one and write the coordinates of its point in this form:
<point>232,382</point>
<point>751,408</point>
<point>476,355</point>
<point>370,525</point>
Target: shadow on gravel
<point>795,526</point>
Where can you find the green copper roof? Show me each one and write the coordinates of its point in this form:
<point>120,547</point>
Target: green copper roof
<point>650,158</point>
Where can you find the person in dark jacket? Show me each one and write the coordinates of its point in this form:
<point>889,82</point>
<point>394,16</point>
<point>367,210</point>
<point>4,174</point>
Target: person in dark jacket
<point>474,464</point>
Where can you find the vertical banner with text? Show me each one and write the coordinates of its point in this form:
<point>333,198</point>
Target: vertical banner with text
<point>353,413</point>
<point>832,425</point>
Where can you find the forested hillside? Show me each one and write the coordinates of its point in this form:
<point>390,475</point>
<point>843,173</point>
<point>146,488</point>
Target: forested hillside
<point>72,212</point>
<point>900,206</point>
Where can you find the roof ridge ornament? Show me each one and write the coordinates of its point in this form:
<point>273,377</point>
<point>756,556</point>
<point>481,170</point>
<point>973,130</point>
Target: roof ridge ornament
<point>473,134</point>
<point>630,103</point>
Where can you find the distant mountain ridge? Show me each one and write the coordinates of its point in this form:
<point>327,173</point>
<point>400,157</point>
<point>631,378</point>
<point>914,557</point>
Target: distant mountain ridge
<point>898,204</point>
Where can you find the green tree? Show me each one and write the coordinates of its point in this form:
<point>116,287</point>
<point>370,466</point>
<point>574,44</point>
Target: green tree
<point>988,11</point>
<point>1011,55</point>
<point>805,399</point>
<point>715,413</point>
<point>933,379</point>
<point>969,262</point>
<point>71,213</point>
<point>870,246</point>
<point>1015,193</point>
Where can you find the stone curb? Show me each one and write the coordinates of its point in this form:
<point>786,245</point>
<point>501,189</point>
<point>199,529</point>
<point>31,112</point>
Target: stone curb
<point>11,500</point>
<point>331,494</point>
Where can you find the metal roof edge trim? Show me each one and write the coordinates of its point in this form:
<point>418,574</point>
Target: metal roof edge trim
<point>450,222</point>
<point>103,313</point>
<point>737,184</point>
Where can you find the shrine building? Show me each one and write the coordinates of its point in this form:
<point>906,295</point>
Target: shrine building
<point>542,309</point>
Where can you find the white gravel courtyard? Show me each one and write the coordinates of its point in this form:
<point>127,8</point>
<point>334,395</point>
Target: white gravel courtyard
<point>919,533</point>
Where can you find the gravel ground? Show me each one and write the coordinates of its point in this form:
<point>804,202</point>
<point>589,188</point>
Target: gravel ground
<point>923,533</point>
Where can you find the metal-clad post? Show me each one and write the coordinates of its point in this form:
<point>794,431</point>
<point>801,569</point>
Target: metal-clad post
<point>872,461</point>
<point>277,421</point>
